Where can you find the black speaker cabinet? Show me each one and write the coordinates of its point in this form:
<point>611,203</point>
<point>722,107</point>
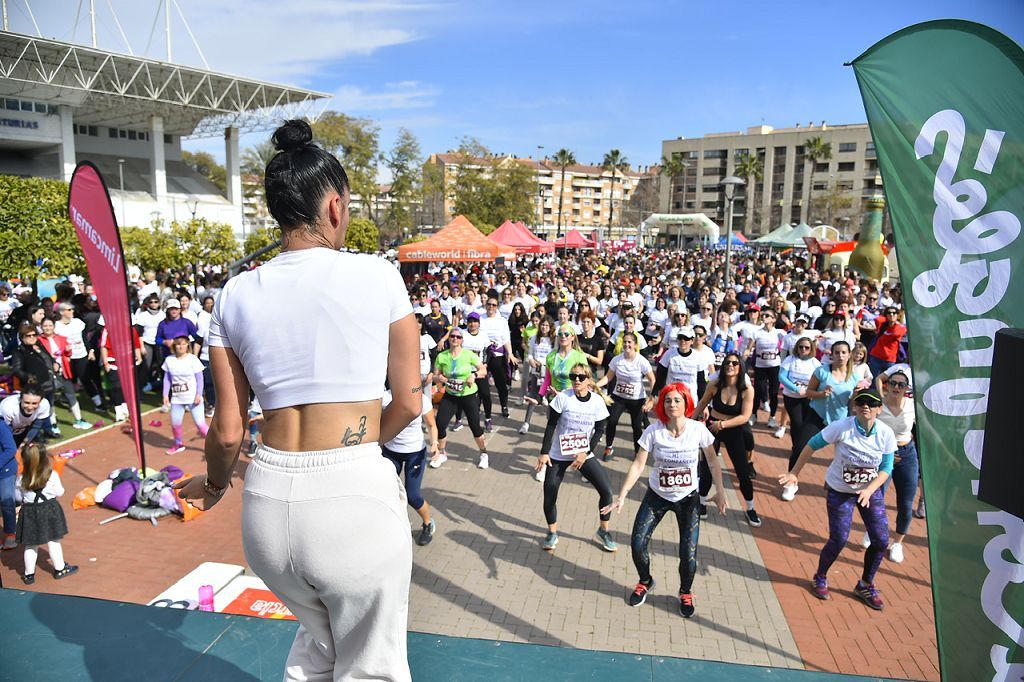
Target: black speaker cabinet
<point>1002,460</point>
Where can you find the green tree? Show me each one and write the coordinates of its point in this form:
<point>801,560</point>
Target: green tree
<point>815,150</point>
<point>356,143</point>
<point>201,242</point>
<point>489,191</point>
<point>562,158</point>
<point>151,248</point>
<point>36,236</point>
<point>403,161</point>
<point>673,168</point>
<point>432,192</point>
<point>255,159</point>
<point>204,164</point>
<point>362,235</point>
<point>615,163</point>
<point>260,238</point>
<point>751,169</point>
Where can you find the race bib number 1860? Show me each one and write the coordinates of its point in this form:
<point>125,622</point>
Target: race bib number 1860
<point>674,478</point>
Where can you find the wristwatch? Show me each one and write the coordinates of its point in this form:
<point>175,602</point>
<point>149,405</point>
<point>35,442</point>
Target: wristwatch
<point>213,490</point>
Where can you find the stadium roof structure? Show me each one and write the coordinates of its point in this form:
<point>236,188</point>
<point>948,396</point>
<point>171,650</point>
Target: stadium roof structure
<point>119,90</point>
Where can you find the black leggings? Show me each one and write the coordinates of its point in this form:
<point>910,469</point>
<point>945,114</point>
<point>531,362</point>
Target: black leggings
<point>813,423</point>
<point>116,391</point>
<point>766,386</point>
<point>591,470</point>
<point>797,409</point>
<point>497,369</point>
<point>86,373</point>
<point>637,417</point>
<point>735,441</point>
<point>648,516</point>
<point>470,405</point>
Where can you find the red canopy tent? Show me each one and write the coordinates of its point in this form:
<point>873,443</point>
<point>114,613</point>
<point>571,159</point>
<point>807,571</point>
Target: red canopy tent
<point>519,236</point>
<point>574,240</point>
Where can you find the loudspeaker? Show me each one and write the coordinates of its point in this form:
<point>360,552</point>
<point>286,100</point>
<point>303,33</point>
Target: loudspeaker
<point>1002,461</point>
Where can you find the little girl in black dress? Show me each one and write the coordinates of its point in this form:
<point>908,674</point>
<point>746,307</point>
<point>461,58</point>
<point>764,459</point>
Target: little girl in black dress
<point>41,519</point>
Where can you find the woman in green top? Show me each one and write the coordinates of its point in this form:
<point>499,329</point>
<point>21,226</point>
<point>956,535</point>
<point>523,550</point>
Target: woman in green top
<point>457,370</point>
<point>561,361</point>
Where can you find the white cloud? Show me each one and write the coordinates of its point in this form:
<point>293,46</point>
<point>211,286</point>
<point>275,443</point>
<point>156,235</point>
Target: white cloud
<point>403,95</point>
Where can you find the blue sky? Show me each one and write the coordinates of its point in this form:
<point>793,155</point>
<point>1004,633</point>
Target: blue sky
<point>588,76</point>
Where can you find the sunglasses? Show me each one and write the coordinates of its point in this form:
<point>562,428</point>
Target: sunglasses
<point>28,334</point>
<point>864,402</point>
<point>731,363</point>
<point>455,336</point>
<point>803,347</point>
<point>492,305</point>
<point>564,335</point>
<point>578,377</point>
<point>700,334</point>
<point>898,384</point>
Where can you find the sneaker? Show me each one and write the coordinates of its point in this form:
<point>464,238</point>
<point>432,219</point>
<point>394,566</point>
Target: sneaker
<point>753,519</point>
<point>539,476</point>
<point>686,608</point>
<point>82,425</point>
<point>457,426</point>
<point>426,533</point>
<point>607,544</point>
<point>524,429</point>
<point>165,409</point>
<point>780,432</point>
<point>773,424</point>
<point>175,449</point>
<point>483,463</point>
<point>919,511</point>
<point>753,420</point>
<point>252,448</point>
<point>55,431</point>
<point>10,541</point>
<point>488,426</point>
<point>66,571</point>
<point>765,407</point>
<point>438,461</point>
<point>550,541</point>
<point>896,552</point>
<point>639,595</point>
<point>789,492</point>
<point>209,412</point>
<point>865,541</point>
<point>702,510</point>
<point>820,587</point>
<point>869,595</point>
<point>608,452</point>
<point>504,412</point>
<point>28,578</point>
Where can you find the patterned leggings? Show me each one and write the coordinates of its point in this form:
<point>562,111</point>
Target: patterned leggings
<point>840,517</point>
<point>651,511</point>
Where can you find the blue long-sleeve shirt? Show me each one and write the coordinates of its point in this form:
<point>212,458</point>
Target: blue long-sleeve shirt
<point>8,448</point>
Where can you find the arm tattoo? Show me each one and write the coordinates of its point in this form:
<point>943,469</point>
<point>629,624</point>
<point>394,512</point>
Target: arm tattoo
<point>355,438</point>
<point>417,389</point>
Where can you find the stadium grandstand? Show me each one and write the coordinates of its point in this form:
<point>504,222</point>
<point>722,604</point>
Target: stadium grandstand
<point>61,103</point>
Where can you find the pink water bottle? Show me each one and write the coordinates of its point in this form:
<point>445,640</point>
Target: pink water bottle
<point>206,598</point>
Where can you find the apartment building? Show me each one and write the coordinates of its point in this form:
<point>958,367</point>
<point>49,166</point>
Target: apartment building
<point>585,202</point>
<point>790,190</point>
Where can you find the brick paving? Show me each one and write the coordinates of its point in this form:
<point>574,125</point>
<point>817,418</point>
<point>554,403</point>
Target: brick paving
<point>485,575</point>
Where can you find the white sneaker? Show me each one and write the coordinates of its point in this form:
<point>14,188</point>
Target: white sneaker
<point>780,432</point>
<point>482,464</point>
<point>772,423</point>
<point>752,420</point>
<point>764,407</point>
<point>896,552</point>
<point>524,428</point>
<point>438,461</point>
<point>789,492</point>
<point>865,542</point>
<point>539,476</point>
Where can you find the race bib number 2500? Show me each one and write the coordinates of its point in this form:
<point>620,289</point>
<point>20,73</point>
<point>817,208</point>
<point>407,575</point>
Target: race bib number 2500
<point>573,444</point>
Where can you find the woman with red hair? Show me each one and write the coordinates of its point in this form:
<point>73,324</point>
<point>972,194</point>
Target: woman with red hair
<point>676,442</point>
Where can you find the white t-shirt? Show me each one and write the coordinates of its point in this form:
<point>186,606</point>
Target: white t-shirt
<point>410,439</point>
<point>858,455</point>
<point>477,343</point>
<point>72,331</point>
<point>203,319</point>
<point>149,320</point>
<point>427,344</point>
<point>312,326</point>
<point>182,375</point>
<point>52,490</point>
<point>576,425</point>
<point>800,372</point>
<point>539,351</point>
<point>683,369</point>
<point>790,339</point>
<point>766,346</point>
<point>10,410</point>
<point>829,339</point>
<point>629,375</point>
<point>496,329</point>
<point>675,460</point>
<point>447,306</point>
<point>7,307</point>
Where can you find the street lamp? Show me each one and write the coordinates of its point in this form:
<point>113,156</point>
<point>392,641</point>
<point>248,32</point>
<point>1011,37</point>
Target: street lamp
<point>730,184</point>
<point>120,173</point>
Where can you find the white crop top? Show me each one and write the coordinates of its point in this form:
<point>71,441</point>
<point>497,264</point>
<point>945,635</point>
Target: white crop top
<point>312,326</point>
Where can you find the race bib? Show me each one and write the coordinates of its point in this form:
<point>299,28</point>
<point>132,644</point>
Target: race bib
<point>674,479</point>
<point>859,475</point>
<point>455,386</point>
<point>719,357</point>
<point>769,354</point>
<point>626,390</point>
<point>179,388</point>
<point>573,444</point>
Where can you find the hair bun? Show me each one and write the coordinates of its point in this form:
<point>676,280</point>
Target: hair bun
<point>294,134</point>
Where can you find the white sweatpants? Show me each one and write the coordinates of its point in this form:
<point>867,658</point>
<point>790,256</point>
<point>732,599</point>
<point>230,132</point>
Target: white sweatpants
<point>328,533</point>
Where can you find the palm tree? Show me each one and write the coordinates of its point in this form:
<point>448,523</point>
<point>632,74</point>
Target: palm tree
<point>255,159</point>
<point>562,158</point>
<point>815,150</point>
<point>614,162</point>
<point>751,168</point>
<point>673,168</point>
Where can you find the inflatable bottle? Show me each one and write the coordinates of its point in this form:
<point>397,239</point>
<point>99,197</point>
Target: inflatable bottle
<point>867,257</point>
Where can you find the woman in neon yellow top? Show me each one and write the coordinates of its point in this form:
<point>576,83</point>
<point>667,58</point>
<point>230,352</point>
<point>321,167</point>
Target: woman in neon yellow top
<point>562,360</point>
<point>457,370</point>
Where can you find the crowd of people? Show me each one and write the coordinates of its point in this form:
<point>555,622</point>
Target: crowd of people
<point>578,339</point>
